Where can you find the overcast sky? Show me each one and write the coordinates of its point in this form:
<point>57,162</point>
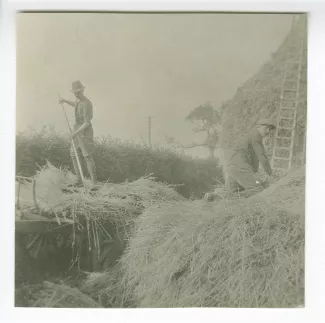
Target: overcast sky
<point>136,65</point>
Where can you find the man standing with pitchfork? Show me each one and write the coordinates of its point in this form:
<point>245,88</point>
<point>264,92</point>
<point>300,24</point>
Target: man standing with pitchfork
<point>82,134</point>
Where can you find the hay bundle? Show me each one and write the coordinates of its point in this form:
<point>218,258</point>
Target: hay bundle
<point>243,253</point>
<point>49,184</point>
<point>117,203</point>
<point>53,295</point>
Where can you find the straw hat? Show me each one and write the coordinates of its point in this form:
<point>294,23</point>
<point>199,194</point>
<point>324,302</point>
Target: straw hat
<point>267,122</point>
<point>77,87</point>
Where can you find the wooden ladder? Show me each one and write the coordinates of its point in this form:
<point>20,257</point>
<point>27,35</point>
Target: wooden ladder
<point>287,114</point>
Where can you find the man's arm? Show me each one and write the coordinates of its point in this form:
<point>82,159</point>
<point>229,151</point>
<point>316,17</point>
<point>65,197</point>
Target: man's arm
<point>261,154</point>
<point>72,103</point>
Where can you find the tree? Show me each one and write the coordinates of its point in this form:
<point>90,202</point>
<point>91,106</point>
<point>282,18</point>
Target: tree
<point>205,119</point>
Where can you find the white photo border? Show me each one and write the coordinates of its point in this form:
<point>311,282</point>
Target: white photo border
<point>315,186</point>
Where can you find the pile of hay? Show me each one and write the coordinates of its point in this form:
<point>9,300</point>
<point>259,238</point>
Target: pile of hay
<point>109,288</point>
<point>289,191</point>
<point>239,253</point>
<point>118,203</point>
<point>53,295</point>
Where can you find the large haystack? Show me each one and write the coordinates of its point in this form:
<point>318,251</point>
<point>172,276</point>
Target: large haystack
<point>243,253</point>
<point>260,96</point>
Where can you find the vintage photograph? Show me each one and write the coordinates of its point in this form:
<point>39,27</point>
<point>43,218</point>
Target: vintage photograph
<point>160,160</point>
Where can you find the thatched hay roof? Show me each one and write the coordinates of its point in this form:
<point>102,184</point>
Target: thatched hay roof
<point>259,96</point>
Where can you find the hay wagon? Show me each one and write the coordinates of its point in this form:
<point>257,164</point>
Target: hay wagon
<point>37,233</point>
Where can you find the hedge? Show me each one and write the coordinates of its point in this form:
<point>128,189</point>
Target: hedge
<point>118,161</point>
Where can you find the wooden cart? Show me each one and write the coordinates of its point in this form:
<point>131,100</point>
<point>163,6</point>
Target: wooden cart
<point>37,223</point>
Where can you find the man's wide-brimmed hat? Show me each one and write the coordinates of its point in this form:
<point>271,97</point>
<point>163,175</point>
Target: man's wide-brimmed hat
<point>77,87</point>
<point>267,122</point>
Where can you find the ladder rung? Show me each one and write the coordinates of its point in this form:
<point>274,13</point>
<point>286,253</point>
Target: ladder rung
<point>291,90</point>
<point>287,109</point>
<point>281,158</point>
<point>255,90</point>
<point>292,67</point>
<point>288,99</point>
<point>294,46</point>
<point>280,168</point>
<point>283,107</point>
<point>292,80</point>
<point>286,128</point>
<point>289,138</point>
<point>292,52</point>
<point>287,118</point>
<point>284,148</point>
<point>292,75</point>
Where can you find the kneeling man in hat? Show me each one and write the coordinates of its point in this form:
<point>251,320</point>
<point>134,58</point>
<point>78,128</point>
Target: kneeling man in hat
<point>242,161</point>
<point>83,134</point>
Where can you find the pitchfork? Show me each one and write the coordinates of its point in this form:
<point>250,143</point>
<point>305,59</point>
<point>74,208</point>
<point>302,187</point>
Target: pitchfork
<point>74,147</point>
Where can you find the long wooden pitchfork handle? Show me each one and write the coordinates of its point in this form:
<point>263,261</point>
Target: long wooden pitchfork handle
<point>74,148</point>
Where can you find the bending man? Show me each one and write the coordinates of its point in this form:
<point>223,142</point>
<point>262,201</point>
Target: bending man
<point>83,134</point>
<point>244,158</point>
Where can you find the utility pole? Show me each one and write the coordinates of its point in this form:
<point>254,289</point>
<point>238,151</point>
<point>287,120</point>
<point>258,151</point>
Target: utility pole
<point>149,131</point>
